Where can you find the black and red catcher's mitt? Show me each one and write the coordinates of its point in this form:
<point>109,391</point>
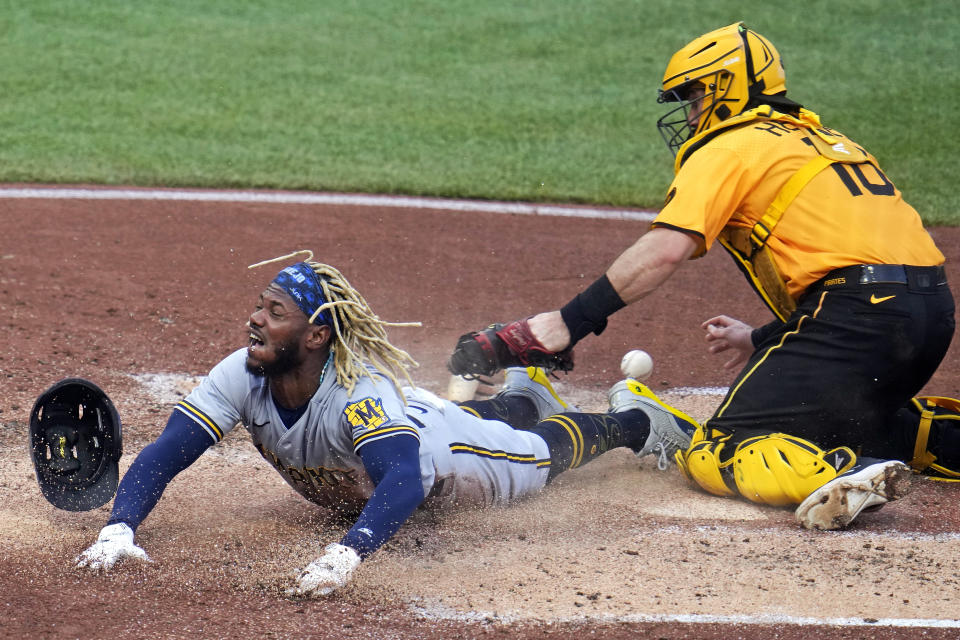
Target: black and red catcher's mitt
<point>500,346</point>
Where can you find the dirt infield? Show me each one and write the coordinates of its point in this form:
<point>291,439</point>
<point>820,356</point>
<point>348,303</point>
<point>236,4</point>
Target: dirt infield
<point>143,297</point>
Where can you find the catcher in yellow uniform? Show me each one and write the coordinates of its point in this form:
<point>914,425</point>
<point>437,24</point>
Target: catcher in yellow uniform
<point>823,413</point>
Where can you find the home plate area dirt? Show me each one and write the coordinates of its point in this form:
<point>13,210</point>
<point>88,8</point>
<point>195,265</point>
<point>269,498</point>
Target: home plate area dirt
<point>144,297</point>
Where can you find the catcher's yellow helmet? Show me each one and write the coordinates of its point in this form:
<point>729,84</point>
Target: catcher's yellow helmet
<point>732,65</point>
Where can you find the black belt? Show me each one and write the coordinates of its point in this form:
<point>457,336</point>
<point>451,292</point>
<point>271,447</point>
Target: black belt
<point>865,274</point>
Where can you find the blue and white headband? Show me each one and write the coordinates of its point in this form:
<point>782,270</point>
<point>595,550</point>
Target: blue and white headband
<point>303,285</point>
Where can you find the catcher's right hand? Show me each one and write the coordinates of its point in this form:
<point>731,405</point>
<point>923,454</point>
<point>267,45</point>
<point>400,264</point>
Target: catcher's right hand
<point>114,543</point>
<point>500,346</point>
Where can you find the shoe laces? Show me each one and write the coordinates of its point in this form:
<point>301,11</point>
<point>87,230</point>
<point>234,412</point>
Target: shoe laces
<point>660,451</point>
<point>663,448</point>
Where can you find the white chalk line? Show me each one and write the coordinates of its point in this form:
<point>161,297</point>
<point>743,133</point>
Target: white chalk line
<point>892,535</point>
<point>442,612</point>
<point>342,199</point>
<point>445,613</point>
<point>698,391</point>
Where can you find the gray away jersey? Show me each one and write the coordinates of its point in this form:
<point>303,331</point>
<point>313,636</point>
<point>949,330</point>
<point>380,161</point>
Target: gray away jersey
<point>463,459</point>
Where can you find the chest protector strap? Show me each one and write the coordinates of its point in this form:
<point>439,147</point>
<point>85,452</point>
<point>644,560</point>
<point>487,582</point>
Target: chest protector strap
<point>748,246</point>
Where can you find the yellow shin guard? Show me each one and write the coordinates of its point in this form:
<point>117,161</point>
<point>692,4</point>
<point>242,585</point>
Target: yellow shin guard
<point>775,469</point>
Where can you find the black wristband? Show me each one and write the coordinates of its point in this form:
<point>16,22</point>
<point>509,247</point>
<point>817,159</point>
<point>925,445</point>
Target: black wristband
<point>589,310</point>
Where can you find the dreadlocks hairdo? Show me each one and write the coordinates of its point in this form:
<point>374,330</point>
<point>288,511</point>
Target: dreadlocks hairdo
<point>360,335</point>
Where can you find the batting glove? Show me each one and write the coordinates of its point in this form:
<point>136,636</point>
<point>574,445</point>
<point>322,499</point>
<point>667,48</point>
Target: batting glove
<point>114,543</point>
<point>327,573</point>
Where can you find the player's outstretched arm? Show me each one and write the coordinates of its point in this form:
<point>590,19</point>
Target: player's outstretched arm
<point>546,339</point>
<point>637,272</point>
<point>394,466</point>
<point>180,444</point>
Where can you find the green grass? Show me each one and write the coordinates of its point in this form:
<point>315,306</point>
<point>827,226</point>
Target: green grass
<point>547,100</point>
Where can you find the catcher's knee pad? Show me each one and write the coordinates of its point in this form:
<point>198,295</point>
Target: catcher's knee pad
<point>779,469</point>
<point>775,469</point>
<point>701,462</point>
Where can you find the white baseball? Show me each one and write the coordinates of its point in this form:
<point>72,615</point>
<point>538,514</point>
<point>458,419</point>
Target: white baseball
<point>637,364</point>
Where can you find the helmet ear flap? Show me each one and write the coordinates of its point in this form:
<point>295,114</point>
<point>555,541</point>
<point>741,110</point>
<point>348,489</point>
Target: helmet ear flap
<point>717,95</point>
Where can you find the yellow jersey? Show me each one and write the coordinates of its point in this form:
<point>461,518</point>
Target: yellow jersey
<point>846,214</point>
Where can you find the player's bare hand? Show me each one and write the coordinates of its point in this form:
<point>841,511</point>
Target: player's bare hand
<point>725,333</point>
<point>550,330</point>
<point>114,543</point>
<point>327,573</point>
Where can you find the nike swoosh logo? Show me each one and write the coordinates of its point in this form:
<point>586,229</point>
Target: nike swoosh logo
<point>262,424</point>
<point>875,300</point>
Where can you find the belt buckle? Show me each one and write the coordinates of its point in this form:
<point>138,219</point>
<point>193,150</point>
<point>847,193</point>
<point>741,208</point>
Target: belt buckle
<point>867,274</point>
<point>883,274</point>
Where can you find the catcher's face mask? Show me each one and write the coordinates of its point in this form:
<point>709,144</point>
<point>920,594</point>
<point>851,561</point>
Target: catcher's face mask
<point>75,444</point>
<point>734,64</point>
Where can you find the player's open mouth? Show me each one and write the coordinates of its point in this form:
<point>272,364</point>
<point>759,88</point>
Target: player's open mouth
<point>254,340</point>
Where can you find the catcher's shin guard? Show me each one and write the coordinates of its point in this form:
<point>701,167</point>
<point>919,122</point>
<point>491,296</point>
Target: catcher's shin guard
<point>775,469</point>
<point>701,463</point>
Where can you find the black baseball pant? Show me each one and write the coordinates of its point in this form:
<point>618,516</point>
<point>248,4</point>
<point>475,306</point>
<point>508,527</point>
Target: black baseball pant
<point>863,341</point>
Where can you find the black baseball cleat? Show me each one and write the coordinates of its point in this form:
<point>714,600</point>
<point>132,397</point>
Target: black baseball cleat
<point>869,485</point>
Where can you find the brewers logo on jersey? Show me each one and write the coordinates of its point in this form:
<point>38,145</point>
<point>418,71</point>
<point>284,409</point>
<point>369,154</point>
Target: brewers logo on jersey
<point>367,413</point>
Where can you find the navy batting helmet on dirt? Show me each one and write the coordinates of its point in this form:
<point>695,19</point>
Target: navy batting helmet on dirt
<point>75,444</point>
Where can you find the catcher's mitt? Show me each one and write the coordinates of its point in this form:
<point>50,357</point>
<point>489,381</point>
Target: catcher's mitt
<point>75,444</point>
<point>504,345</point>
